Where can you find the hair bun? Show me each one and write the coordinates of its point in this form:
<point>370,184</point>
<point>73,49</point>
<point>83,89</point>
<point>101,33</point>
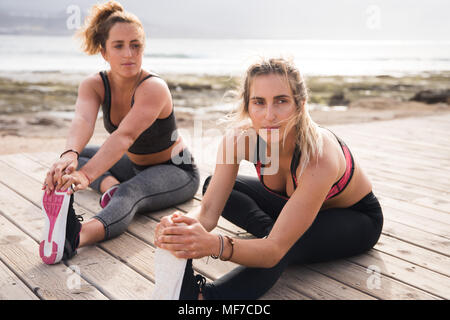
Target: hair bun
<point>101,12</point>
<point>91,34</point>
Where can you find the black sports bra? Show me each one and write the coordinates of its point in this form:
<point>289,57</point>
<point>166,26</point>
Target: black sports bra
<point>158,137</point>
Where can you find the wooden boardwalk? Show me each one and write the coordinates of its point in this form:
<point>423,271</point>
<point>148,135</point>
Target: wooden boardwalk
<point>408,161</point>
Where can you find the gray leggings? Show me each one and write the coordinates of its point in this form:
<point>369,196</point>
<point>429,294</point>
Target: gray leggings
<point>142,189</point>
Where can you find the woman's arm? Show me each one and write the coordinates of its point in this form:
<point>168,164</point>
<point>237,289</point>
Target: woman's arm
<point>217,194</point>
<point>218,191</point>
<point>150,99</point>
<point>295,218</point>
<point>220,186</point>
<point>86,111</point>
<point>80,132</point>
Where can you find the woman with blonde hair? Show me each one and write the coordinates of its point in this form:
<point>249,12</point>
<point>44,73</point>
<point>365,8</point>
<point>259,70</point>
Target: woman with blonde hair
<point>143,165</point>
<point>312,201</point>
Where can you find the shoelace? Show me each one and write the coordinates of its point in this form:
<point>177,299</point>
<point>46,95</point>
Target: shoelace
<point>201,281</point>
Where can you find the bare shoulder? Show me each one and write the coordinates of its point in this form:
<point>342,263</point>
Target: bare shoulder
<point>92,84</point>
<point>94,80</point>
<point>329,160</point>
<point>153,87</point>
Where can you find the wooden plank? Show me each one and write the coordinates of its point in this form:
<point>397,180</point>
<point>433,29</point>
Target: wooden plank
<point>321,287</point>
<point>377,284</point>
<point>137,254</point>
<point>416,195</point>
<point>135,247</point>
<point>431,158</point>
<point>390,156</point>
<point>394,159</point>
<point>20,253</point>
<point>31,166</point>
<point>444,118</point>
<point>434,158</point>
<point>404,206</point>
<point>417,237</point>
<point>281,291</point>
<point>115,278</point>
<point>147,229</point>
<point>425,131</point>
<point>431,282</point>
<point>46,158</point>
<point>430,134</point>
<point>215,275</point>
<point>422,127</point>
<point>12,288</point>
<point>416,221</point>
<point>440,198</point>
<point>390,174</point>
<point>407,143</point>
<point>431,176</point>
<point>423,257</point>
<point>403,129</point>
<point>95,264</point>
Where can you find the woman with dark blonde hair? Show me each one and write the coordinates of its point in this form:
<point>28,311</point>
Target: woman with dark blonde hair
<point>143,165</point>
<point>312,201</point>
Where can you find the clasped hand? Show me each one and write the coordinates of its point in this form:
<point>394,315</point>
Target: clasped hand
<point>184,237</point>
<point>72,182</point>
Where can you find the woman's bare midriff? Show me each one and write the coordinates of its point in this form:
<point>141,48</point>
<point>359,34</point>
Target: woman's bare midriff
<point>158,157</point>
<point>358,187</point>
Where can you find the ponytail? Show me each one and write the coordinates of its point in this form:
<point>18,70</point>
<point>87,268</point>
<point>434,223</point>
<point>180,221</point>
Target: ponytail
<point>102,17</point>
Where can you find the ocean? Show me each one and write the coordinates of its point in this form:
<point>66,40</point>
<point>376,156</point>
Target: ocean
<point>231,57</point>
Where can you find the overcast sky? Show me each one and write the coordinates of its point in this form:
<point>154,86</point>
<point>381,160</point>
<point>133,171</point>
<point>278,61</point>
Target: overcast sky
<point>282,19</point>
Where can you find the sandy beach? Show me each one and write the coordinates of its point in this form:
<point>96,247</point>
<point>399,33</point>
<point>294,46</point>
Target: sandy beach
<point>36,107</point>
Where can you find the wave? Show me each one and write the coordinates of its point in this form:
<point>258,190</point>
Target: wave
<point>171,56</point>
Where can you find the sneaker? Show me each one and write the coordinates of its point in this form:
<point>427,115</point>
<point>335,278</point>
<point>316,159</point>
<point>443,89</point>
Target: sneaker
<point>169,271</point>
<point>106,197</point>
<point>191,285</point>
<point>174,278</point>
<point>62,227</point>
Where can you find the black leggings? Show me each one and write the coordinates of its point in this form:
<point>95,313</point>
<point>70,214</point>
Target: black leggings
<point>335,233</point>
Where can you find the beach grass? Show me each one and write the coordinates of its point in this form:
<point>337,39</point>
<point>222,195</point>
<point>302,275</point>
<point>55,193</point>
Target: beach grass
<point>196,91</point>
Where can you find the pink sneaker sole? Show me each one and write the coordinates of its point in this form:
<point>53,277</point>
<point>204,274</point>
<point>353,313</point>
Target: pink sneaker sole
<point>55,207</point>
